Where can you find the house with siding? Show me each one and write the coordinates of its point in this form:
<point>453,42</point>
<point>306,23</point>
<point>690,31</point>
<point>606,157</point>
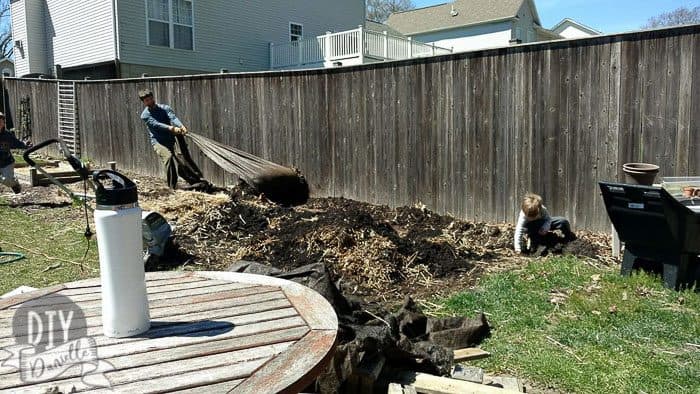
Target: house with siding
<point>127,38</point>
<point>466,25</point>
<point>7,67</point>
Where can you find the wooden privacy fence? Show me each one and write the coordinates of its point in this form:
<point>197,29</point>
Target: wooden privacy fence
<point>466,134</point>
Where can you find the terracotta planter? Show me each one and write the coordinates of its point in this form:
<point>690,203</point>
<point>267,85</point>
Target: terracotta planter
<point>640,173</point>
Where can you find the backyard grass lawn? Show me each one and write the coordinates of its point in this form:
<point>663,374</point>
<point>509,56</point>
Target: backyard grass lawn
<point>566,325</point>
<point>54,246</point>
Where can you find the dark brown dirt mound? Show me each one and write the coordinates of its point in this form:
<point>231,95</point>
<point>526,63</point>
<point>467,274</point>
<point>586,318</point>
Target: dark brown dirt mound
<point>376,250</point>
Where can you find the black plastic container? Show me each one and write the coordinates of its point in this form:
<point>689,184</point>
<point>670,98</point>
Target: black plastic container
<point>655,227</point>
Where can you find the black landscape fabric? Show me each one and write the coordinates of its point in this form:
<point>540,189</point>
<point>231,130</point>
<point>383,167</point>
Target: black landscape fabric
<point>280,184</point>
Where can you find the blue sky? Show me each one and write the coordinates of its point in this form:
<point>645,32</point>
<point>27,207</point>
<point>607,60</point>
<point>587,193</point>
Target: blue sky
<point>608,16</point>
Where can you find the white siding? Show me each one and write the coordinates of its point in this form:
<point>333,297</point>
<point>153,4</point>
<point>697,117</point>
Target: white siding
<point>28,27</point>
<point>80,32</point>
<point>36,36</point>
<point>574,32</point>
<point>233,34</point>
<point>470,38</point>
<point>19,33</point>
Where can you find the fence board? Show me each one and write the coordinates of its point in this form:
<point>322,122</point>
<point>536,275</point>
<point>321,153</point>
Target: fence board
<point>466,134</point>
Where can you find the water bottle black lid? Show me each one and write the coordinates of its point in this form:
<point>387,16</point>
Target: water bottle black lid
<point>122,190</point>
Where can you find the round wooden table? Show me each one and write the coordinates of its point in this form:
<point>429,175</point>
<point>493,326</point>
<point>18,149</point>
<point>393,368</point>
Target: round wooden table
<point>210,332</point>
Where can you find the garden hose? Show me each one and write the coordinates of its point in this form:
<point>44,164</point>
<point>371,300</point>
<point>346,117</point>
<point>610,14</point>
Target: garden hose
<point>10,257</point>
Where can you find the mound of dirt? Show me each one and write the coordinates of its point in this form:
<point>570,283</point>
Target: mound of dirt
<point>375,251</point>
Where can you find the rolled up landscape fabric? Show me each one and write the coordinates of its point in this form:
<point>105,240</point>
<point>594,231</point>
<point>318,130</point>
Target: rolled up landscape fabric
<point>278,183</point>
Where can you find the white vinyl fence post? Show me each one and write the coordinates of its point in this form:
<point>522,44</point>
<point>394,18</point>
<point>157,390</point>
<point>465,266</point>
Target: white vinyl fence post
<point>361,43</point>
<point>272,56</point>
<point>328,49</point>
<point>386,45</point>
<point>299,43</point>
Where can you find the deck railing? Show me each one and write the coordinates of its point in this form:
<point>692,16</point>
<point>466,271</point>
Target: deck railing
<point>359,44</point>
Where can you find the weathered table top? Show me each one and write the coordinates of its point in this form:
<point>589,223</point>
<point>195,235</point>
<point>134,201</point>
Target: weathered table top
<point>210,332</point>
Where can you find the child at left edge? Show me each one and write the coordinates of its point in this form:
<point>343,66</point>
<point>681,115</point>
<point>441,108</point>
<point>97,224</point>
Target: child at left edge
<point>8,141</point>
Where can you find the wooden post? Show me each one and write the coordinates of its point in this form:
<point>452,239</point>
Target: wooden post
<point>112,165</point>
<point>432,49</point>
<point>33,178</point>
<point>616,246</point>
<point>386,45</point>
<point>410,47</point>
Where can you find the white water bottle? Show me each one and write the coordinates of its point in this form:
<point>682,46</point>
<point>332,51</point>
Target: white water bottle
<point>119,241</point>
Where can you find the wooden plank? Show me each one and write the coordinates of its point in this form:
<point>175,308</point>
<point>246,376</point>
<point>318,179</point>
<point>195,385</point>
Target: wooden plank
<point>271,301</point>
<point>685,100</point>
<point>150,277</point>
<point>470,353</point>
<point>168,376</point>
<point>150,290</point>
<point>694,154</point>
<point>244,348</point>
<point>430,384</point>
<point>30,296</point>
<point>96,309</point>
<point>223,387</point>
<point>119,347</point>
<point>612,137</point>
<point>509,383</point>
<point>149,284</point>
<point>180,326</point>
<point>630,104</point>
<point>158,296</point>
<point>315,310</point>
<point>294,369</point>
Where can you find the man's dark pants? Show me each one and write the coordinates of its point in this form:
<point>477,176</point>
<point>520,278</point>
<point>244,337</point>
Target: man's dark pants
<point>178,162</point>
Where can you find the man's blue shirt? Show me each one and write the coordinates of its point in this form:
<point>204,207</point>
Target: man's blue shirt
<point>158,120</point>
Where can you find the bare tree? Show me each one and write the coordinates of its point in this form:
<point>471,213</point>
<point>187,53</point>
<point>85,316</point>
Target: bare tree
<point>6,43</point>
<point>379,10</point>
<point>679,16</point>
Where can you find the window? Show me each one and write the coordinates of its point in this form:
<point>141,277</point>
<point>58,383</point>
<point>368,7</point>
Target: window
<point>171,23</point>
<point>296,31</point>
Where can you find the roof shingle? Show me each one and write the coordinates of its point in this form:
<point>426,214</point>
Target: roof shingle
<point>440,17</point>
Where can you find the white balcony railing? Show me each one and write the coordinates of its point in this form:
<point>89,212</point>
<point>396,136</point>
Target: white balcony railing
<point>359,45</point>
